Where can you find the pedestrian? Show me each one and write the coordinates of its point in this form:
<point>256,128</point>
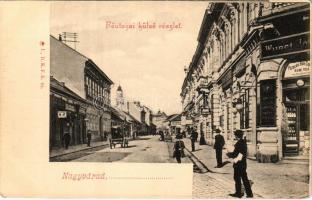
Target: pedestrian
<point>184,134</point>
<point>193,139</point>
<point>162,136</point>
<point>66,140</point>
<point>202,140</point>
<point>240,166</point>
<point>218,146</point>
<point>178,149</point>
<point>196,136</point>
<point>89,137</point>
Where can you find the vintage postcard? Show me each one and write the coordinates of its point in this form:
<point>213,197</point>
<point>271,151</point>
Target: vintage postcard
<point>155,99</point>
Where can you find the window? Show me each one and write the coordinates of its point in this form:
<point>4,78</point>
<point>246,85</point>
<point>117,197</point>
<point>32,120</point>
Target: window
<point>268,103</point>
<point>244,115</point>
<point>222,121</point>
<point>212,111</point>
<point>228,115</point>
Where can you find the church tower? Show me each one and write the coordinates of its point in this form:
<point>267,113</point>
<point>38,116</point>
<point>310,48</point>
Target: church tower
<point>120,102</point>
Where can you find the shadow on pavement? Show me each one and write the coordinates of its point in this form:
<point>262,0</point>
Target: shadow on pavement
<point>225,163</point>
<point>131,146</point>
<point>142,138</point>
<point>197,150</point>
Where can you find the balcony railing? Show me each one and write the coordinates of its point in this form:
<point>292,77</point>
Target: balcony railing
<point>202,83</point>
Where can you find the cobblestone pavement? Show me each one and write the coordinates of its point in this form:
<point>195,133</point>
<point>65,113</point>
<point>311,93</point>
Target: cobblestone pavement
<point>271,180</point>
<point>206,186</point>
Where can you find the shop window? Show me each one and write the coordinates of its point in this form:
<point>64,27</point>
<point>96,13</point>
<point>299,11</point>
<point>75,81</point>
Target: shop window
<point>268,103</point>
<point>296,95</point>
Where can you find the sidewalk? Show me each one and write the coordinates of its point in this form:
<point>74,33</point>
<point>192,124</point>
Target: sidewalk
<point>271,180</point>
<point>75,148</point>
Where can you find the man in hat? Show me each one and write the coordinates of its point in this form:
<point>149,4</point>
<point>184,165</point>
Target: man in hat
<point>178,148</point>
<point>193,139</point>
<point>218,146</point>
<point>240,166</point>
<point>89,137</point>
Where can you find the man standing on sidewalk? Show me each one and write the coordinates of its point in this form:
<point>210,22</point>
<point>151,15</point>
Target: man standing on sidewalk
<point>218,146</point>
<point>66,140</point>
<point>193,139</point>
<point>240,166</point>
<point>89,137</point>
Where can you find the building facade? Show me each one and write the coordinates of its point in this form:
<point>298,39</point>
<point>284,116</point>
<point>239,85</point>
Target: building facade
<point>158,119</point>
<point>88,81</point>
<point>67,115</point>
<point>250,71</point>
<point>174,123</point>
<point>144,115</point>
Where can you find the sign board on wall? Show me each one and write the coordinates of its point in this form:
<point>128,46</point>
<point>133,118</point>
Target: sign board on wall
<point>69,107</point>
<point>287,45</point>
<point>61,114</point>
<point>297,69</point>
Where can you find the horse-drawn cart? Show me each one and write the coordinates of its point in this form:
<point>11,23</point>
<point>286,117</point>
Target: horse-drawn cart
<point>117,137</point>
<point>122,141</point>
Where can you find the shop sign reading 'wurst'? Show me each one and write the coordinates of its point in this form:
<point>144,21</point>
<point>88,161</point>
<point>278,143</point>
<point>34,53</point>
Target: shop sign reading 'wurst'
<point>287,45</point>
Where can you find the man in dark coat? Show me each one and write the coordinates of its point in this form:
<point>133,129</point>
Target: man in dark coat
<point>178,148</point>
<point>196,136</point>
<point>193,139</point>
<point>89,137</point>
<point>239,156</point>
<point>66,140</point>
<point>218,146</point>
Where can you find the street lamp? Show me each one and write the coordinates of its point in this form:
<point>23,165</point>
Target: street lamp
<point>238,105</point>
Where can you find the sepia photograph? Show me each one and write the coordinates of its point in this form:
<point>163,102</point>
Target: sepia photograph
<point>218,85</point>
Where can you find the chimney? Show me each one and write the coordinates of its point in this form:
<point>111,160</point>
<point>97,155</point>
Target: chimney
<point>60,37</point>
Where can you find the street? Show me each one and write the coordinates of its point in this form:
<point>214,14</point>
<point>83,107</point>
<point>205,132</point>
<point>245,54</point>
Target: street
<point>146,149</point>
<point>208,182</point>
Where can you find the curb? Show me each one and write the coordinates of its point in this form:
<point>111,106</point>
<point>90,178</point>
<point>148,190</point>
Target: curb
<point>78,150</point>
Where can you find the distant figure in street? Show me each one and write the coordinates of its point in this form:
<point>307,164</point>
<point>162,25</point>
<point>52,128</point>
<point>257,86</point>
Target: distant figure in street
<point>178,149</point>
<point>66,140</point>
<point>193,139</point>
<point>162,136</point>
<point>183,134</point>
<point>218,146</point>
<point>240,166</point>
<point>196,136</point>
<point>89,137</point>
<point>202,140</point>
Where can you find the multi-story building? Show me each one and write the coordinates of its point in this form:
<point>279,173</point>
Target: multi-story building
<point>158,119</point>
<point>144,115</point>
<point>132,125</point>
<point>251,71</point>
<point>67,115</point>
<point>174,123</point>
<point>88,81</point>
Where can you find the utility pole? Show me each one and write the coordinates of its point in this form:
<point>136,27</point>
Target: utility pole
<point>69,37</point>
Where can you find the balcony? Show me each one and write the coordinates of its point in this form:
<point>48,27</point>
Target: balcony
<point>202,83</point>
